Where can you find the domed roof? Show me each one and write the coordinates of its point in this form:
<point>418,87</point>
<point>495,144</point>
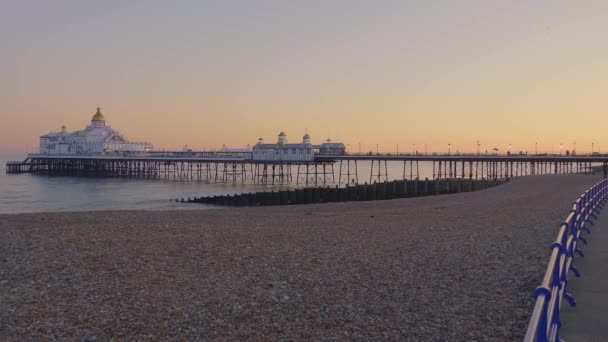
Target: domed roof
<point>306,136</point>
<point>282,134</point>
<point>98,116</point>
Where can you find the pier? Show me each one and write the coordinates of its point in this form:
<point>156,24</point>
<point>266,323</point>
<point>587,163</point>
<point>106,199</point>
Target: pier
<point>17,167</point>
<point>322,169</point>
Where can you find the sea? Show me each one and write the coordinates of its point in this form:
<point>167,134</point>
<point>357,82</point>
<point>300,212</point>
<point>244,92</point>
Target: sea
<point>30,193</point>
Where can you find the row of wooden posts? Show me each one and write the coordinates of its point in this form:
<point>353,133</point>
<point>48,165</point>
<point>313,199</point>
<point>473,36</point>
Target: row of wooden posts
<point>358,192</point>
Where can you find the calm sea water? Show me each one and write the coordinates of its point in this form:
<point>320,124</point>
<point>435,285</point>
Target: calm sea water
<point>23,193</point>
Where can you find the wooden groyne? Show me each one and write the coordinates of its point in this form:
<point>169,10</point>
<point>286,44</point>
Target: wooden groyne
<point>350,193</point>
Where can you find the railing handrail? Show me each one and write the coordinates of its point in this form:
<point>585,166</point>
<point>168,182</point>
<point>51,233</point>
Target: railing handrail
<point>545,322</point>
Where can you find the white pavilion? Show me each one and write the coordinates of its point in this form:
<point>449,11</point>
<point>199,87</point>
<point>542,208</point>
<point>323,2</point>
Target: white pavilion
<point>304,151</point>
<point>96,138</point>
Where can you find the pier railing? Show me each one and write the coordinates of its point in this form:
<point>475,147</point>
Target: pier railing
<point>545,321</point>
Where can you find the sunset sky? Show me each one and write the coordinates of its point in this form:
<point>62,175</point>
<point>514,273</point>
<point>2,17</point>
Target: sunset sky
<point>207,73</point>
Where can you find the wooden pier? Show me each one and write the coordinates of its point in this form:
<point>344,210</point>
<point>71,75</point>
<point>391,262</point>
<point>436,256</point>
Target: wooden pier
<point>17,167</point>
<point>473,166</point>
<point>207,169</point>
<point>324,169</point>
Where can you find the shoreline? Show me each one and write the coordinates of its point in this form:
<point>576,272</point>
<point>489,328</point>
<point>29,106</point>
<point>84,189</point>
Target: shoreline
<point>459,267</point>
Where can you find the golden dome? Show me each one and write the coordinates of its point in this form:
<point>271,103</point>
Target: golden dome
<point>306,136</point>
<point>98,116</point>
<point>282,134</point>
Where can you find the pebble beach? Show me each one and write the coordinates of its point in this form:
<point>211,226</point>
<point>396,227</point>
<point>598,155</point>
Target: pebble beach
<point>458,267</point>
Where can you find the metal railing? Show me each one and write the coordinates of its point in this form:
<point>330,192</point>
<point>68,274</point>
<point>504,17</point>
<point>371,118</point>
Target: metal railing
<point>545,322</point>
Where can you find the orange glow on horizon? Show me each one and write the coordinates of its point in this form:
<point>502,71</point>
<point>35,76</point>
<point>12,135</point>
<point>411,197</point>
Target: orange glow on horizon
<point>394,74</point>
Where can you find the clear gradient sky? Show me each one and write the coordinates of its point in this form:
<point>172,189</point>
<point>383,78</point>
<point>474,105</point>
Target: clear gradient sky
<point>207,73</point>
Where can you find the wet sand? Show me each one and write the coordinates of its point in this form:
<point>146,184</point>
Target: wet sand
<point>456,267</point>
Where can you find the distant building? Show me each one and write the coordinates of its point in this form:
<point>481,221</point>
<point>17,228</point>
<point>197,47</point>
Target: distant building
<point>304,151</point>
<point>331,148</point>
<point>97,138</point>
<point>283,151</point>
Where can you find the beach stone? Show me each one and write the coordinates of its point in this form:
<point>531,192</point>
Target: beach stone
<point>457,267</point>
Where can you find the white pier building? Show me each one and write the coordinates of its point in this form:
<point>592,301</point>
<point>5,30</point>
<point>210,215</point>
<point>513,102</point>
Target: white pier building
<point>96,138</point>
<point>304,151</point>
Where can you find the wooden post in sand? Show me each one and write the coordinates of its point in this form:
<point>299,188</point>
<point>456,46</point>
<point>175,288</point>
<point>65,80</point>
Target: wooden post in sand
<point>402,188</point>
<point>343,194</point>
<point>371,192</point>
<point>352,192</point>
<point>291,194</point>
<point>316,195</point>
<point>380,190</point>
<point>299,196</point>
<point>307,195</point>
<point>284,197</point>
<point>362,192</point>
